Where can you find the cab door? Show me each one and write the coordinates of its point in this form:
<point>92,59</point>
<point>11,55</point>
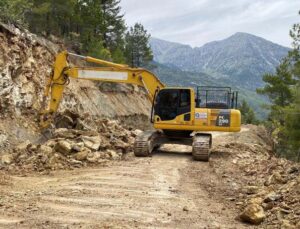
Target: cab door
<point>173,106</point>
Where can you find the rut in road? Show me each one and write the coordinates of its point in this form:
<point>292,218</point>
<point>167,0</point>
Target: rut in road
<point>160,191</point>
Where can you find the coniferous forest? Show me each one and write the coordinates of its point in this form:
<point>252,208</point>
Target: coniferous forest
<point>91,27</point>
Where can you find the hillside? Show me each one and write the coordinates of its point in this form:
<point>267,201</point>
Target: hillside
<point>243,58</point>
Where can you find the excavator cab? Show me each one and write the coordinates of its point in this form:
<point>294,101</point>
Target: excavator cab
<point>172,102</point>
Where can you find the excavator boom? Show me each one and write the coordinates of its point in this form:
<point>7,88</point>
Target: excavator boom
<point>108,72</point>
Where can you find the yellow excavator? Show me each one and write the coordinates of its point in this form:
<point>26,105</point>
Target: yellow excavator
<point>180,115</point>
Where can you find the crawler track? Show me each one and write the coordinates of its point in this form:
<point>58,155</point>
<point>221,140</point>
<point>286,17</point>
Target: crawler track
<point>145,143</point>
<point>201,147</point>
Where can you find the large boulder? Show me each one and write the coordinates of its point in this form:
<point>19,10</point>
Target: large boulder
<point>81,156</point>
<point>7,159</point>
<point>63,147</point>
<point>93,157</point>
<point>46,150</point>
<point>23,146</point>
<point>114,155</point>
<point>253,213</point>
<point>92,143</point>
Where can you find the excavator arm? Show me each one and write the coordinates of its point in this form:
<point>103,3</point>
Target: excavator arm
<point>108,72</point>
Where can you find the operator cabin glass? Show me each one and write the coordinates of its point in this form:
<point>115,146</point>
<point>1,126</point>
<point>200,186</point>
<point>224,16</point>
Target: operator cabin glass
<point>172,102</point>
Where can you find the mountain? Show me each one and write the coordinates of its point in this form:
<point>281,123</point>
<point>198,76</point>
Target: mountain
<point>242,58</point>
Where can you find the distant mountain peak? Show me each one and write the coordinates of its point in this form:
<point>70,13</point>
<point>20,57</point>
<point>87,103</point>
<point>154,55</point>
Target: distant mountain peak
<point>242,57</point>
<point>241,34</point>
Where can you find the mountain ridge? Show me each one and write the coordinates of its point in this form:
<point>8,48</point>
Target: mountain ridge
<point>242,57</point>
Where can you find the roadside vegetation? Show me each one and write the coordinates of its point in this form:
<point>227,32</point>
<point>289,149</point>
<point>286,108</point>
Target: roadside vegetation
<point>283,90</point>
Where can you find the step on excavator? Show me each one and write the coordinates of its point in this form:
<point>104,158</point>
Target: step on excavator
<point>180,115</point>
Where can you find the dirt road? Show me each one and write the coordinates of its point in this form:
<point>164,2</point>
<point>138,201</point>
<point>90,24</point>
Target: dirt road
<point>167,190</point>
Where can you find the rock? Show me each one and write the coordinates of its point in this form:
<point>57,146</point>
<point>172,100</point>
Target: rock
<point>64,133</point>
<point>137,132</point>
<point>293,169</point>
<point>53,161</point>
<point>251,190</point>
<point>80,125</point>
<point>51,143</point>
<point>64,122</point>
<point>92,143</point>
<point>81,156</point>
<point>3,138</point>
<point>285,224</point>
<point>185,208</point>
<point>278,178</point>
<point>256,200</point>
<point>253,214</point>
<point>7,159</point>
<point>44,149</point>
<point>113,154</point>
<point>93,157</point>
<point>275,178</point>
<point>272,196</point>
<point>75,162</point>
<point>23,146</point>
<point>78,147</point>
<point>63,147</point>
<point>268,206</point>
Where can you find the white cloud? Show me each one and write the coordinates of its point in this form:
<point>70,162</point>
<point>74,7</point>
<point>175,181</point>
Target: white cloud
<point>197,22</point>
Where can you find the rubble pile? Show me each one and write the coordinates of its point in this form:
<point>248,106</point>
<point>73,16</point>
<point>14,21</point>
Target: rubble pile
<point>265,188</point>
<point>72,148</point>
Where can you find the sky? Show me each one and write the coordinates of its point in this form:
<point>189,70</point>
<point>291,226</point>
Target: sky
<point>196,22</point>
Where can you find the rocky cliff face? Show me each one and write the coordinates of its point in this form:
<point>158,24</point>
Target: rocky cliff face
<point>25,63</point>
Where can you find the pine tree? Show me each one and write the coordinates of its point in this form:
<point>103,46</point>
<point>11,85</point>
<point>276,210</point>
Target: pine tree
<point>283,90</point>
<point>279,90</point>
<point>137,48</point>
<point>112,24</point>
<point>51,17</point>
<point>290,138</point>
<point>14,11</point>
<point>248,115</point>
<point>291,130</point>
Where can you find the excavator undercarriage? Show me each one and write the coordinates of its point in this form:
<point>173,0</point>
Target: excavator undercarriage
<point>148,141</point>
